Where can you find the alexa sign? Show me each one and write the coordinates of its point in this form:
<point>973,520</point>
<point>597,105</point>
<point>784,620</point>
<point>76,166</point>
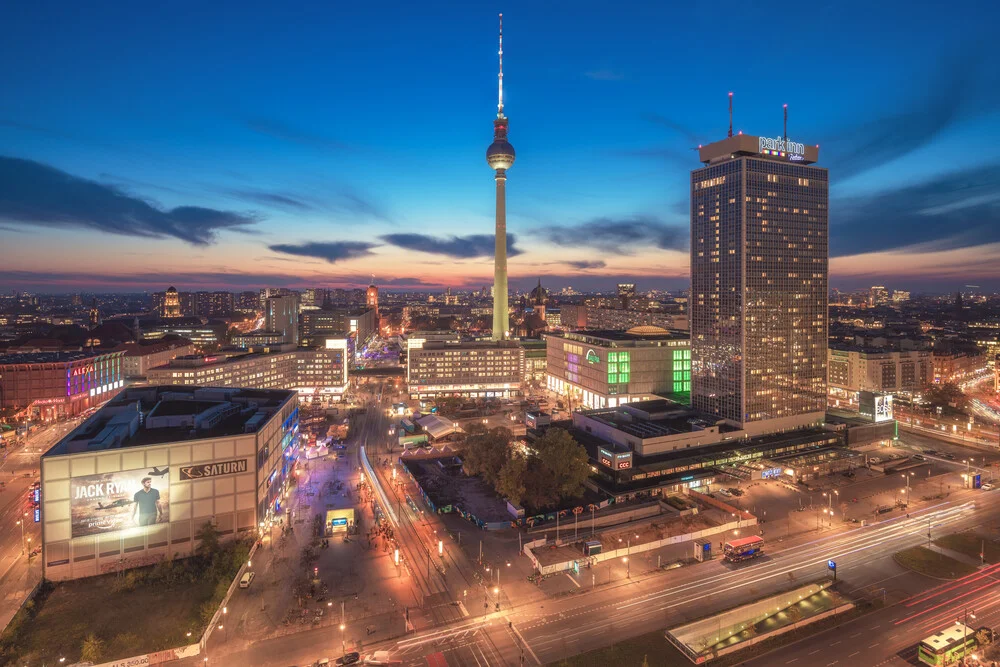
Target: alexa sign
<point>782,145</point>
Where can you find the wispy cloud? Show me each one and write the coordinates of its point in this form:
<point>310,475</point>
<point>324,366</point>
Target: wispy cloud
<point>460,247</point>
<point>277,129</point>
<point>584,264</point>
<point>604,74</point>
<point>38,195</point>
<point>618,235</point>
<point>331,251</point>
<point>950,211</point>
<point>281,200</point>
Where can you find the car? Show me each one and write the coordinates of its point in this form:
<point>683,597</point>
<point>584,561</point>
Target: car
<point>322,662</point>
<point>349,658</point>
<point>247,579</point>
<point>918,457</point>
<point>378,658</point>
<point>950,457</point>
<point>986,487</point>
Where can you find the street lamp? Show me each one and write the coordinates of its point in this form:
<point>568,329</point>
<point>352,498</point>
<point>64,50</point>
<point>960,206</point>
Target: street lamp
<point>20,522</point>
<point>965,630</point>
<point>343,645</point>
<point>628,568</point>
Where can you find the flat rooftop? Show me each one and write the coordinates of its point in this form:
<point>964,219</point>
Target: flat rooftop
<point>48,357</point>
<point>142,416</point>
<point>646,333</point>
<point>778,149</point>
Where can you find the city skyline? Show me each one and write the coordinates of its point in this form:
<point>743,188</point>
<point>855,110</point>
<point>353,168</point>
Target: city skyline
<point>291,163</point>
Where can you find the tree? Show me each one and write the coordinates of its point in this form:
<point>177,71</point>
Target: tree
<point>510,483</point>
<point>946,395</point>
<point>486,451</point>
<point>208,540</point>
<point>93,647</point>
<point>565,460</point>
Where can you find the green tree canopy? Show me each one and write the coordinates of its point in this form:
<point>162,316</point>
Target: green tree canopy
<point>510,483</point>
<point>486,451</point>
<point>565,460</point>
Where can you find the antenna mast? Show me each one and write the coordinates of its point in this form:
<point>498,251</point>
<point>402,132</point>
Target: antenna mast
<point>785,137</point>
<point>730,114</point>
<point>500,78</point>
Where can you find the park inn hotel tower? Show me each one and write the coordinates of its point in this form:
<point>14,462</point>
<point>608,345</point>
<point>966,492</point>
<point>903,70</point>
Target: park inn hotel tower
<point>759,258</point>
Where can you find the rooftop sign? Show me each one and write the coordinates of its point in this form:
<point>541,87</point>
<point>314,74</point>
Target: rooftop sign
<point>780,145</point>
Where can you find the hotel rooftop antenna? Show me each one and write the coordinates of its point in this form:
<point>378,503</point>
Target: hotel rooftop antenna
<point>730,114</point>
<point>785,137</point>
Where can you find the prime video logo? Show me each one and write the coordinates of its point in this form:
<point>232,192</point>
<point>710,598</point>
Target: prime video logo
<point>782,145</point>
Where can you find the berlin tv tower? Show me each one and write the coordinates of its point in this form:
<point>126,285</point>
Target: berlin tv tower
<point>500,156</point>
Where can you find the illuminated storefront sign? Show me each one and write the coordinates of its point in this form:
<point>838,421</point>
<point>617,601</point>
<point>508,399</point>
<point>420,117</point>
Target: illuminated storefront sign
<point>592,357</point>
<point>780,146</point>
<point>215,469</point>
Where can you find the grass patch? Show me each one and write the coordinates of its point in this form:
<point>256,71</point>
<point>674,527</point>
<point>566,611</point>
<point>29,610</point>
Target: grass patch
<point>924,561</point>
<point>654,650</point>
<point>110,617</point>
<point>970,544</point>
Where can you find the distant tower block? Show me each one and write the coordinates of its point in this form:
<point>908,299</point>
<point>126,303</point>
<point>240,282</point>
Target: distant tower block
<point>500,157</point>
<point>372,296</point>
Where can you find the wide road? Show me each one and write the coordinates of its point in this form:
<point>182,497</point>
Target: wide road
<point>557,628</point>
<point>890,635</point>
<point>18,471</point>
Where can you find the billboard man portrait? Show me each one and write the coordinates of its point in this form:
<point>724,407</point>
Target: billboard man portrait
<point>147,504</point>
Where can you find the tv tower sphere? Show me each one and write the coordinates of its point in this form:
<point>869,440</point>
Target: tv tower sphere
<point>500,154</point>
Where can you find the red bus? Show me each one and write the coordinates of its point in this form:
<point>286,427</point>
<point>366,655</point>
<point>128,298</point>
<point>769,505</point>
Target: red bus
<point>744,548</point>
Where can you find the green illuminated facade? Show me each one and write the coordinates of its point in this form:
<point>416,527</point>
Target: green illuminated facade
<point>599,369</point>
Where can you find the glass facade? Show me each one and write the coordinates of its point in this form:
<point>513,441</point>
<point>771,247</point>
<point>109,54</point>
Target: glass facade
<point>759,266</point>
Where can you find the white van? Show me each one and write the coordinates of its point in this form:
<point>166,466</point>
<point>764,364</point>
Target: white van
<point>246,579</point>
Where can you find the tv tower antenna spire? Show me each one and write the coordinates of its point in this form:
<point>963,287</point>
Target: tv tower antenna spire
<point>500,76</point>
<point>785,136</point>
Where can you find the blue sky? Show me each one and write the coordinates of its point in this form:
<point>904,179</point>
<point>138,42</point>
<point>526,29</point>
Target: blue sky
<point>245,144</point>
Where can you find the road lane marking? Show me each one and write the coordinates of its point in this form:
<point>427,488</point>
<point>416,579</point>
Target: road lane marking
<point>836,642</point>
<point>853,654</point>
<point>574,581</point>
<point>816,651</point>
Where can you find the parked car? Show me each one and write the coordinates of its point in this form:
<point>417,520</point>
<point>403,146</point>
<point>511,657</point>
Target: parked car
<point>349,658</point>
<point>986,487</point>
<point>378,658</point>
<point>247,579</point>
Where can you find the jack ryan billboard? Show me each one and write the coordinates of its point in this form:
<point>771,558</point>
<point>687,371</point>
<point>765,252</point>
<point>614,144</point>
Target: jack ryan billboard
<point>112,501</point>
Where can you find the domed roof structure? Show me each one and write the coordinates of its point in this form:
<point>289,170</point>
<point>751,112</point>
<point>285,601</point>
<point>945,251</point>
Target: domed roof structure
<point>539,295</point>
<point>648,330</point>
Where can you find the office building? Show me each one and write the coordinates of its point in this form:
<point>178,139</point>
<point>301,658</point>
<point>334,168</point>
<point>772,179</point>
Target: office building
<point>171,303</point>
<point>599,369</point>
<point>319,324</point>
<point>878,295</point>
<point>467,369</point>
<point>320,371</point>
<point>204,336</point>
<point>956,367</point>
<point>43,386</point>
<point>254,340</point>
<point>206,455</point>
<point>138,358</point>
<point>758,303</point>
<point>213,304</point>
<point>626,292</point>
<point>281,315</point>
<point>853,370</point>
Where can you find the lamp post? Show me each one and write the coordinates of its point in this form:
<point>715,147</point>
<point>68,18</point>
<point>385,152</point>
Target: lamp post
<point>965,631</point>
<point>20,522</point>
<point>343,645</point>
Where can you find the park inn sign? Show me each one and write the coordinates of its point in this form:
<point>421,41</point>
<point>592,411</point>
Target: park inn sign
<point>215,469</point>
<point>781,145</point>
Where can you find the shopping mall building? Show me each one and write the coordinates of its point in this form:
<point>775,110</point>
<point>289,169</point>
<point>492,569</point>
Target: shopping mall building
<point>44,386</point>
<point>601,369</point>
<point>134,483</point>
